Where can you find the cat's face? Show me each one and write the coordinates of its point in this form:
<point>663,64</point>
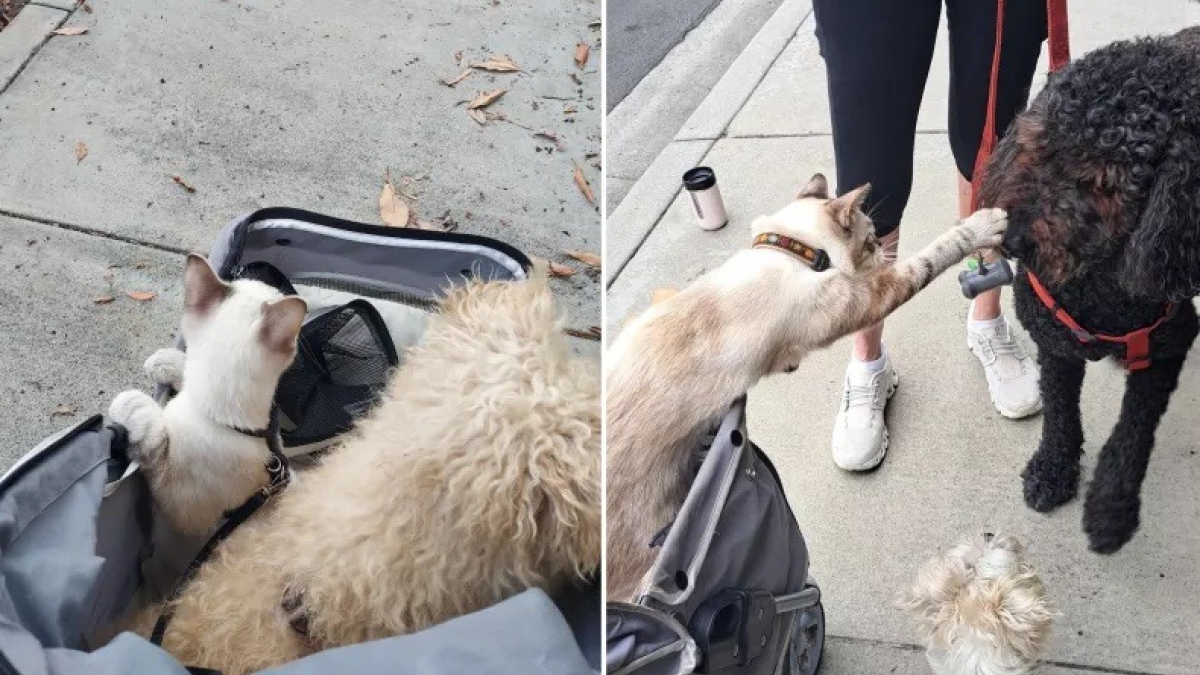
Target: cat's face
<point>837,226</point>
<point>245,326</point>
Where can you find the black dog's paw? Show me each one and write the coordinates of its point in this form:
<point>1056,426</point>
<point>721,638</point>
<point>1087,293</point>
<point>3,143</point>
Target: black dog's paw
<point>1050,481</point>
<point>294,610</point>
<point>1109,520</point>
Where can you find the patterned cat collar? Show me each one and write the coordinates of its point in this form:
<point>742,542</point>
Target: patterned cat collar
<point>813,257</point>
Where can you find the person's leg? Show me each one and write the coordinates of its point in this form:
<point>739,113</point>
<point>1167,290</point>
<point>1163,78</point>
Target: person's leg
<point>877,55</point>
<point>1011,374</point>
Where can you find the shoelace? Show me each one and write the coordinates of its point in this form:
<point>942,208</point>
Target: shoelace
<point>861,394</point>
<point>1001,345</point>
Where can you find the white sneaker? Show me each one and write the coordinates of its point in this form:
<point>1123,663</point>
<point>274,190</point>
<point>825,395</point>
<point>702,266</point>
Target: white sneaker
<point>860,438</point>
<point>1012,376</point>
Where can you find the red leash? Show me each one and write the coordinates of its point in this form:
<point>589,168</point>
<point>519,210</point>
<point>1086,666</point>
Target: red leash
<point>1060,54</point>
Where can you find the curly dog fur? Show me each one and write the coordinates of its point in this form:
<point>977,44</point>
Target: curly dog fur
<point>1101,180</point>
<point>477,477</point>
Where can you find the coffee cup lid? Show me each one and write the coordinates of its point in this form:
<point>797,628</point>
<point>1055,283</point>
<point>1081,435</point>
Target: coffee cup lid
<point>699,178</point>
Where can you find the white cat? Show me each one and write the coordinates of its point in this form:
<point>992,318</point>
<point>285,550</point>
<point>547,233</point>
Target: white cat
<point>197,452</point>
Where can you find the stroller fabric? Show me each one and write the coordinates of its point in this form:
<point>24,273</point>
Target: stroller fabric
<point>735,548</point>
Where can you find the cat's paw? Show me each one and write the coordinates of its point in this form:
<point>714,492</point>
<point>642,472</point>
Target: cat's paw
<point>165,366</point>
<point>986,227</point>
<point>142,418</point>
<point>1051,480</point>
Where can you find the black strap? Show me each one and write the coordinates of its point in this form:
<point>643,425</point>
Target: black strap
<point>277,469</point>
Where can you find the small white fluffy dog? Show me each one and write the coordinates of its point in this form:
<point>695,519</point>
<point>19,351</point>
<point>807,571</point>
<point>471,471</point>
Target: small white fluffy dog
<point>476,477</point>
<point>981,609</point>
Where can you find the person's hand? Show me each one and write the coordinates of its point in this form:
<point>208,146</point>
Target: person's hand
<point>986,227</point>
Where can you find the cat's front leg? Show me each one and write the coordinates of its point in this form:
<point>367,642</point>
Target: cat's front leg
<point>165,366</point>
<point>853,302</point>
<point>143,419</point>
<point>982,229</point>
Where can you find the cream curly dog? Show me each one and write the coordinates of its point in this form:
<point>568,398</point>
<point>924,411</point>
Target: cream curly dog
<point>477,477</point>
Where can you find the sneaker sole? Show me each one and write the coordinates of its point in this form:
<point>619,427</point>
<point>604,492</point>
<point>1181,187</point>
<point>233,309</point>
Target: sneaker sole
<point>1008,413</point>
<point>875,460</point>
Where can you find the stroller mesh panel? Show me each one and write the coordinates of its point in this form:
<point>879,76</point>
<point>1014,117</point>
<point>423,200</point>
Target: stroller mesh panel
<point>368,290</point>
<point>342,364</point>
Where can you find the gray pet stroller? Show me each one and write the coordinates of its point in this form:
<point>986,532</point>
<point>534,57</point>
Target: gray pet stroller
<point>729,591</point>
<point>76,527</point>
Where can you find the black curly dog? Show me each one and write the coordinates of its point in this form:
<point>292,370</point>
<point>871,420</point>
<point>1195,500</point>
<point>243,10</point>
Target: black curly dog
<point>1101,180</point>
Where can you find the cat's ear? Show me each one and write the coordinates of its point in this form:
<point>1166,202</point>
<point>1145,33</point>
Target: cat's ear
<point>817,187</point>
<point>843,208</point>
<point>203,290</point>
<point>281,321</point>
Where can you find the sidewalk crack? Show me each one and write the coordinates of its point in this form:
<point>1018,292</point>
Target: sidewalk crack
<point>80,229</point>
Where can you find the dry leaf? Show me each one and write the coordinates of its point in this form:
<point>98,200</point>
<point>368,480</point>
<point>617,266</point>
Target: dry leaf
<point>497,64</point>
<point>581,54</point>
<point>485,99</point>
<point>71,30</point>
<point>142,296</point>
<point>104,300</point>
<point>589,259</point>
<point>477,115</point>
<point>80,151</point>
<point>584,187</point>
<point>182,183</point>
<point>592,333</point>
<point>393,209</point>
<point>559,270</point>
<point>461,76</point>
<point>64,410</point>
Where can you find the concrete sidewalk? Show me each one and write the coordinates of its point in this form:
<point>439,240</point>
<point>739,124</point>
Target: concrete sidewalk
<point>954,465</point>
<point>261,104</point>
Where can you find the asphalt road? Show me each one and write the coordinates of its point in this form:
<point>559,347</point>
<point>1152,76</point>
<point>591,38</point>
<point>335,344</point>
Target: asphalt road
<point>639,35</point>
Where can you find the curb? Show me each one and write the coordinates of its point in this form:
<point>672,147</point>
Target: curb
<point>635,218</point>
<point>714,115</point>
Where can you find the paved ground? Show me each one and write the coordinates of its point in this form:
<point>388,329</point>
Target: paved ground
<point>954,464</point>
<point>260,104</point>
<point>646,119</point>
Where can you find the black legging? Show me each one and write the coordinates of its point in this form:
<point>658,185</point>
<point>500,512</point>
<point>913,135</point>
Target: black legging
<point>877,55</point>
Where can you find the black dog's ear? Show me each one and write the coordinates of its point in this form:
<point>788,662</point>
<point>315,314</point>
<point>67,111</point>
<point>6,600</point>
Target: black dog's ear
<point>1161,260</point>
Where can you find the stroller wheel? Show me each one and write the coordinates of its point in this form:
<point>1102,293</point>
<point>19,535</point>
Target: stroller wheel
<point>808,641</point>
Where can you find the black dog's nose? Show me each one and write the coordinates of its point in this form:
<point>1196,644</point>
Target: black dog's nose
<point>1014,244</point>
